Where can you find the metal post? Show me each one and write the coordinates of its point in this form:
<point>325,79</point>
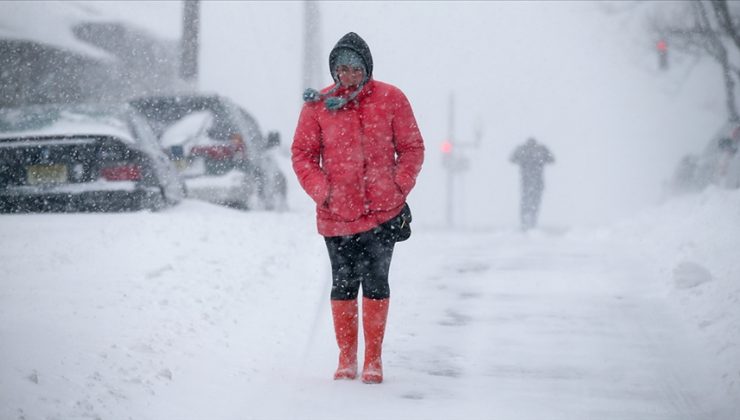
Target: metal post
<point>311,45</point>
<point>189,42</point>
<point>455,161</point>
<point>450,168</point>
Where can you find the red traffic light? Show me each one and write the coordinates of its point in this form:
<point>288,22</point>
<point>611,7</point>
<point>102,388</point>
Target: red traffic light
<point>662,47</point>
<point>446,147</point>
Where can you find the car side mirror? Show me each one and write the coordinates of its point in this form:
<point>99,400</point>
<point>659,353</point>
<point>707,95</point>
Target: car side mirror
<point>273,139</point>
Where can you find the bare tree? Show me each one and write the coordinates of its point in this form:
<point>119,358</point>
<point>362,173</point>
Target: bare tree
<point>716,48</point>
<point>694,31</point>
<point>726,21</point>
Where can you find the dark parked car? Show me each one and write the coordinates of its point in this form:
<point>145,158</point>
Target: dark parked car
<point>82,157</point>
<point>218,147</point>
<point>718,164</point>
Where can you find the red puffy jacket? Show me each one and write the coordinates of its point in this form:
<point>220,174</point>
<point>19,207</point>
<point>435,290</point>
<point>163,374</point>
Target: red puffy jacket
<point>358,163</point>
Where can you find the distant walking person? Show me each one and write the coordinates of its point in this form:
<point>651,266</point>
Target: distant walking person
<point>357,151</point>
<point>531,158</point>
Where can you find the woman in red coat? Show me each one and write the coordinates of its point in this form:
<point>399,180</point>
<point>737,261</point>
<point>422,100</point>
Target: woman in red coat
<point>357,151</point>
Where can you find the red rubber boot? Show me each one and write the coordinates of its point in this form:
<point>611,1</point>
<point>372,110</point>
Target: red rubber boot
<point>344,313</point>
<point>374,316</point>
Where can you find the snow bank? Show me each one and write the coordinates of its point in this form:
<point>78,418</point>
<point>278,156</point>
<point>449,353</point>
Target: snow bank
<point>694,244</point>
<point>202,311</point>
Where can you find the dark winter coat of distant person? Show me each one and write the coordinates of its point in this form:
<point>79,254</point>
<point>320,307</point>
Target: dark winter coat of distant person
<point>531,158</point>
<point>357,151</point>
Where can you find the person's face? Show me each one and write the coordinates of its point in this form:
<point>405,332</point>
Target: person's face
<point>350,76</point>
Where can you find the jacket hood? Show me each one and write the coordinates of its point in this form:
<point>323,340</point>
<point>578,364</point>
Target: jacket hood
<point>355,43</point>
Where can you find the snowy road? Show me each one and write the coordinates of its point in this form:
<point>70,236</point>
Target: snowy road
<point>202,312</point>
<point>547,327</point>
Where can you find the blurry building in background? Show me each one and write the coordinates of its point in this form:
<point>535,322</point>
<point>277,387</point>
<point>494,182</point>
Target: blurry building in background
<point>70,58</point>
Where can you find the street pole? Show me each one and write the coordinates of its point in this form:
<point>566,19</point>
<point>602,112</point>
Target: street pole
<point>189,42</point>
<point>311,45</point>
<point>454,161</point>
<point>450,168</point>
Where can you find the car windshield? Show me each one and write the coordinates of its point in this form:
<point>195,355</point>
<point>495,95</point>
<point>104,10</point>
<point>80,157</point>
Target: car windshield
<point>43,120</point>
<point>162,113</point>
<point>188,129</point>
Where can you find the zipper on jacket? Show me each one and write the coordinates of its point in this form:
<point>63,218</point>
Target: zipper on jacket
<point>366,203</point>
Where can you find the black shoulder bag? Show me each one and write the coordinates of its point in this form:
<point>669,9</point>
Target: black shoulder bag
<point>400,226</point>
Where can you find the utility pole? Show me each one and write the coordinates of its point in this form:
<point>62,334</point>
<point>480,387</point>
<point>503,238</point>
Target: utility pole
<point>190,42</point>
<point>453,159</point>
<point>450,163</point>
<point>311,45</point>
<point>662,48</point>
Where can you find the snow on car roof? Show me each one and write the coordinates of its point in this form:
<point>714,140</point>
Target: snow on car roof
<point>45,120</point>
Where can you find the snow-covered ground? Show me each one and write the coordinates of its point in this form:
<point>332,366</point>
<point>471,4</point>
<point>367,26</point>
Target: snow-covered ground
<point>203,312</point>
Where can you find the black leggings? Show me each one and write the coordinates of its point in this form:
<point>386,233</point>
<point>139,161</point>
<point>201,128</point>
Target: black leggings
<point>360,259</point>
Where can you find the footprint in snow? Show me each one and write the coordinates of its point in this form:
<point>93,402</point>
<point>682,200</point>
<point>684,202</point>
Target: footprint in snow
<point>455,319</point>
<point>413,396</point>
<point>687,275</point>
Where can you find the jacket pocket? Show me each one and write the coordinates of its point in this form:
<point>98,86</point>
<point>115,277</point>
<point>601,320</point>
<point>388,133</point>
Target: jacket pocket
<point>384,195</point>
<point>345,203</point>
